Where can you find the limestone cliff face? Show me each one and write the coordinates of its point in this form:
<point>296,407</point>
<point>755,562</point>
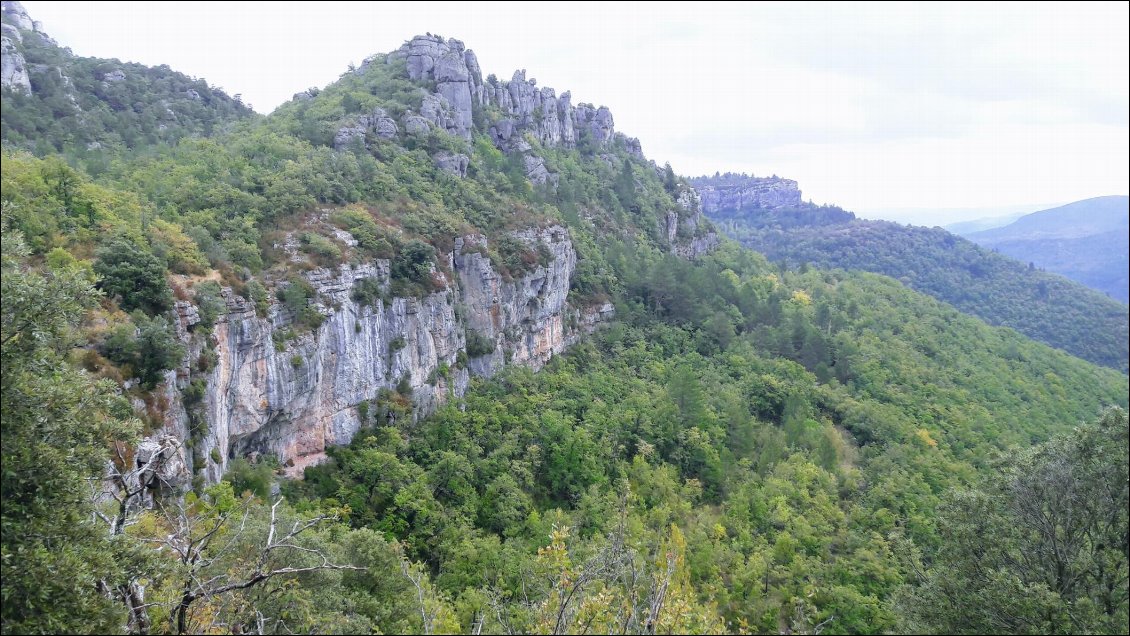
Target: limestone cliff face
<point>689,233</point>
<point>742,193</point>
<point>292,399</point>
<point>14,74</point>
<point>527,319</point>
<point>13,67</point>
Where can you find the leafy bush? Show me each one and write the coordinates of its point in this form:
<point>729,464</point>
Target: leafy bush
<point>247,477</point>
<point>367,291</point>
<point>478,344</point>
<point>325,252</point>
<point>147,346</point>
<point>134,276</point>
<point>209,302</point>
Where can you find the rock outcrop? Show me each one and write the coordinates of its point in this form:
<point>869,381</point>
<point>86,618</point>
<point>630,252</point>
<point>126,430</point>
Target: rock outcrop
<point>293,397</point>
<point>13,67</point>
<point>377,124</point>
<point>14,74</point>
<point>452,163</point>
<point>15,13</point>
<point>742,193</point>
<point>527,319</point>
<point>525,107</point>
<point>689,233</point>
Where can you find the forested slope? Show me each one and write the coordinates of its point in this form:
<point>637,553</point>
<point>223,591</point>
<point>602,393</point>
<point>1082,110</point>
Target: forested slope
<point>978,281</point>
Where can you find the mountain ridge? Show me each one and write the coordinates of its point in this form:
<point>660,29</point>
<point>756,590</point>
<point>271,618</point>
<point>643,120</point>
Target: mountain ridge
<point>1085,241</point>
<point>57,101</point>
<point>994,287</point>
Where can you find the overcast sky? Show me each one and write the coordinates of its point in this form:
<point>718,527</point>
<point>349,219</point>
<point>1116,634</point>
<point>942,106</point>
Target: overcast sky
<point>878,108</point>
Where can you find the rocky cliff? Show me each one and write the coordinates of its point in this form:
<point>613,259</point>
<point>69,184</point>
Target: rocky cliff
<point>259,384</point>
<point>689,232</point>
<point>293,397</point>
<point>739,192</point>
<point>510,109</point>
<point>13,67</point>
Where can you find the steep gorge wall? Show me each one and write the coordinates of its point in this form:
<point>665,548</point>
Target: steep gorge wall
<point>293,399</point>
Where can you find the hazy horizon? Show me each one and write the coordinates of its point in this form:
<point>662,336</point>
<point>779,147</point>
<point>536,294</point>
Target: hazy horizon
<point>952,111</point>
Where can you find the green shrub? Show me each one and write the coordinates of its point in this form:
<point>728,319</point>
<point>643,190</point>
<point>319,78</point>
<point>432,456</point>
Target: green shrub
<point>247,477</point>
<point>209,302</point>
<point>367,291</point>
<point>325,252</point>
<point>259,297</point>
<point>147,347</point>
<point>478,344</point>
<point>134,276</point>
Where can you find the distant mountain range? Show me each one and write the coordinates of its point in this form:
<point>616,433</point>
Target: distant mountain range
<point>965,228</point>
<point>1085,241</point>
<point>763,215</point>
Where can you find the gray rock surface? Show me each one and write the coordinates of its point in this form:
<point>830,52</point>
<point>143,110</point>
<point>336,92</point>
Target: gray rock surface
<point>365,127</point>
<point>13,68</point>
<point>17,15</point>
<point>294,398</point>
<point>536,171</point>
<point>765,193</point>
<point>453,163</point>
<point>460,88</point>
<point>689,233</point>
<point>415,125</point>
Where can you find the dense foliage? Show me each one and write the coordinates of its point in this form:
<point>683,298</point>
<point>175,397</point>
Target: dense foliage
<point>1040,547</point>
<point>794,489</point>
<point>997,289</point>
<point>748,448</point>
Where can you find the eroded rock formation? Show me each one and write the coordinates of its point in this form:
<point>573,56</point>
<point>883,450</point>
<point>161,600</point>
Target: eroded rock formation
<point>293,397</point>
<point>742,193</point>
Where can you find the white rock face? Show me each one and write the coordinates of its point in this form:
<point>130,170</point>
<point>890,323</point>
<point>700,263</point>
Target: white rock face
<point>294,399</point>
<point>765,193</point>
<point>16,12</point>
<point>695,239</point>
<point>528,319</point>
<point>553,120</point>
<point>13,67</point>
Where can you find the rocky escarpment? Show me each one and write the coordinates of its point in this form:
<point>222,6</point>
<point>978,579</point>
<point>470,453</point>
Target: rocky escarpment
<point>511,109</point>
<point>739,192</point>
<point>14,74</point>
<point>293,397</point>
<point>689,232</point>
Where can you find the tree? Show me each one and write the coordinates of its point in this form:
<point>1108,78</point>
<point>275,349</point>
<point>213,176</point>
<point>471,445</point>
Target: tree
<point>149,349</point>
<point>56,425</point>
<point>215,540</point>
<point>1041,547</point>
<point>133,275</point>
<point>669,182</point>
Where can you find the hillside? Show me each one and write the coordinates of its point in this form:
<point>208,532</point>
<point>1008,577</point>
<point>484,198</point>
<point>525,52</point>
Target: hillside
<point>1086,241</point>
<point>965,228</point>
<point>507,377</point>
<point>979,282</point>
<point>55,101</point>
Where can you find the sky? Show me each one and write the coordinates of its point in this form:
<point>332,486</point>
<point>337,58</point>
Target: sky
<point>916,112</point>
